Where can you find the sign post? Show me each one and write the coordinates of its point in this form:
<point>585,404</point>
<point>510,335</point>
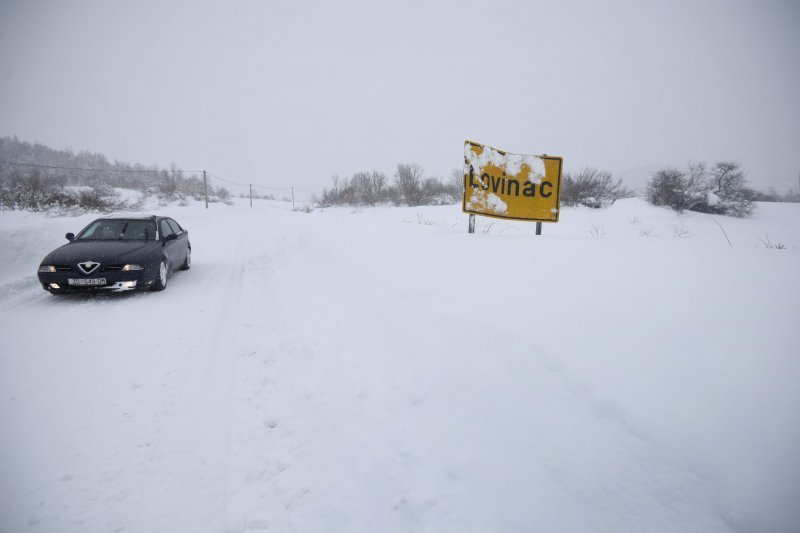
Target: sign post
<point>511,186</point>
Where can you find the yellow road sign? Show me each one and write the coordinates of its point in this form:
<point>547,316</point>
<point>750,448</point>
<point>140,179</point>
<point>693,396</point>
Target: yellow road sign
<point>503,185</point>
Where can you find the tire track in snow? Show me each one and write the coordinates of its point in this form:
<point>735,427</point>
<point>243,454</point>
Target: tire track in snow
<point>221,369</point>
<point>201,449</point>
<point>256,461</point>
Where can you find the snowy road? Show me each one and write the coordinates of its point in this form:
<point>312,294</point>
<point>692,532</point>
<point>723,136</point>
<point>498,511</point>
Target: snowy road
<point>357,371</point>
<point>130,380</point>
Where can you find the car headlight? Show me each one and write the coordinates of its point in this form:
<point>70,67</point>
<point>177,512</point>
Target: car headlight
<point>47,268</point>
<point>128,268</point>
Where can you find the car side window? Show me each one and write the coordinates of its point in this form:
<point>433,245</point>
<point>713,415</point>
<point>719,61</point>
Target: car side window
<point>165,229</point>
<point>174,225</point>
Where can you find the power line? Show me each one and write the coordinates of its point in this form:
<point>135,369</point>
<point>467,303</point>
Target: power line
<point>253,184</point>
<point>95,169</point>
<point>228,181</point>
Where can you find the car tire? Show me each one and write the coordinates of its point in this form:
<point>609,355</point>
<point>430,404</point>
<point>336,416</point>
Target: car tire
<point>161,279</point>
<point>187,263</point>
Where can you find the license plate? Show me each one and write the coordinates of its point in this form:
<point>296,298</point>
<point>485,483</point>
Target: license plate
<point>87,282</point>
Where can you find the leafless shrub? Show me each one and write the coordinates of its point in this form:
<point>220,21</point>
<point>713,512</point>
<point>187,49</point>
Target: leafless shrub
<point>668,188</point>
<point>592,188</point>
<point>769,244</point>
<point>720,189</point>
<point>486,228</point>
<point>680,231</point>
<point>643,232</point>
<point>597,231</point>
<point>35,192</point>
<point>421,219</point>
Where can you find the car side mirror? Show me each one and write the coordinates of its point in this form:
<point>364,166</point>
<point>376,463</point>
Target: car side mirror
<point>171,237</point>
<point>70,236</point>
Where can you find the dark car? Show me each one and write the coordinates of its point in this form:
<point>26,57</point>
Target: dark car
<point>118,254</point>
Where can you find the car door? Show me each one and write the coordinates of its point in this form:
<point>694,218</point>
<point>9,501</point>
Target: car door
<point>183,241</point>
<point>171,247</point>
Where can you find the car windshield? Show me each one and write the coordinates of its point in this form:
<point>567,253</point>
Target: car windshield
<point>119,230</point>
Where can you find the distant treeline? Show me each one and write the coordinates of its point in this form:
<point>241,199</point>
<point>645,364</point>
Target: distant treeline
<point>408,186</point>
<point>720,188</point>
<point>38,178</point>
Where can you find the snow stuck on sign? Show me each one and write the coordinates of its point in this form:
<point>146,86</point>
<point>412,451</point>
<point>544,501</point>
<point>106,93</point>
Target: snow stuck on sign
<point>512,164</point>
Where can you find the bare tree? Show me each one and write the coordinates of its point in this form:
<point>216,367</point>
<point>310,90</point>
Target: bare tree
<point>793,195</point>
<point>668,188</point>
<point>409,180</point>
<point>729,184</point>
<point>593,188</point>
<point>456,179</point>
<point>697,185</point>
<point>727,178</point>
<point>378,180</point>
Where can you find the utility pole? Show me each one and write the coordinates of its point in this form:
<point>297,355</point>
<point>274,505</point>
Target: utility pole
<point>251,195</point>
<point>292,196</point>
<point>205,186</point>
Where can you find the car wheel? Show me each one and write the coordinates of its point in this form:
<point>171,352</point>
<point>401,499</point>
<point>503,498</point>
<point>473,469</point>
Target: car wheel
<point>187,264</point>
<point>161,279</point>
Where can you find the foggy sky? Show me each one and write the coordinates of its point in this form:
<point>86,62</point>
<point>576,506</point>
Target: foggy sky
<point>290,93</point>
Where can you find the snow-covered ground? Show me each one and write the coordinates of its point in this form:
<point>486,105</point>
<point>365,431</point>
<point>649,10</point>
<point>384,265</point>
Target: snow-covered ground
<point>380,370</point>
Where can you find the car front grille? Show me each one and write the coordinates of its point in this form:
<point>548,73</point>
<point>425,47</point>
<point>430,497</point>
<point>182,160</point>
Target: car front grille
<point>109,268</point>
